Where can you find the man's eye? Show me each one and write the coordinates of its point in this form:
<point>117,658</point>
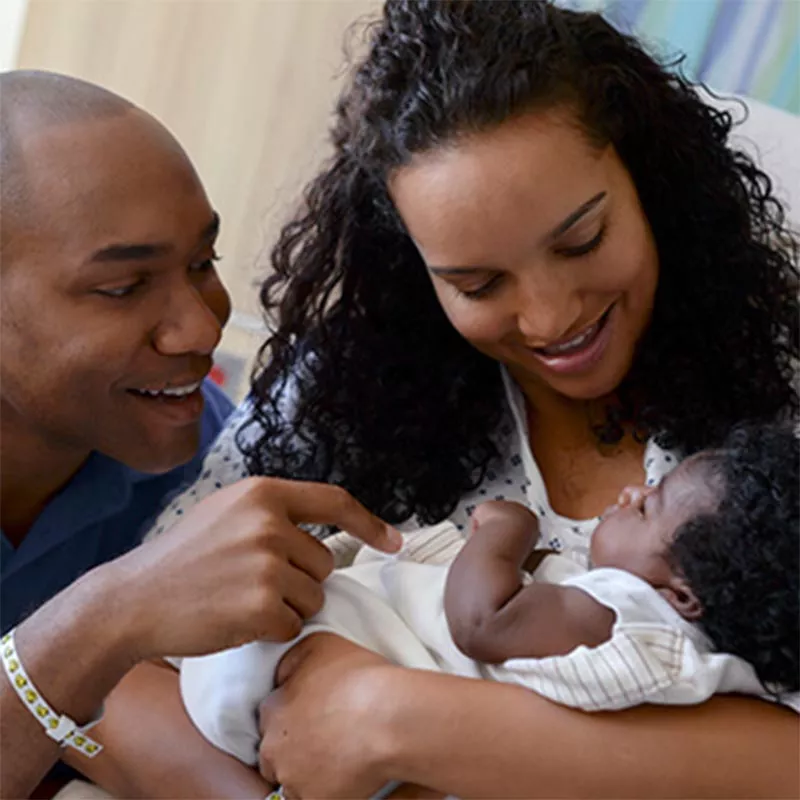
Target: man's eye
<point>207,264</point>
<point>119,292</point>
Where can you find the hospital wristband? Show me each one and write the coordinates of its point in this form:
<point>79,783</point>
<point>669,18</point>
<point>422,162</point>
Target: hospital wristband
<point>60,728</point>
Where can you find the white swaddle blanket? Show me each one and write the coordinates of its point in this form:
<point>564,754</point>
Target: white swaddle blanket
<point>395,607</point>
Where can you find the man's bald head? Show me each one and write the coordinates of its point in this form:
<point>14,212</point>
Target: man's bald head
<point>31,101</point>
<point>39,108</point>
<point>108,292</point>
<point>50,98</point>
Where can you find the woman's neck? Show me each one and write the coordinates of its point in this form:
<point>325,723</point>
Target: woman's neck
<point>562,418</point>
<point>582,476</point>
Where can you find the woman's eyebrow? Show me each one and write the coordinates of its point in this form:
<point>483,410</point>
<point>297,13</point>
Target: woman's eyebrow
<point>559,230</point>
<point>575,216</point>
<point>454,271</point>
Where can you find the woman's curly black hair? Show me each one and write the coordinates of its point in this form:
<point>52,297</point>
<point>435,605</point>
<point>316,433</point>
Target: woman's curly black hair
<point>743,561</point>
<point>388,400</point>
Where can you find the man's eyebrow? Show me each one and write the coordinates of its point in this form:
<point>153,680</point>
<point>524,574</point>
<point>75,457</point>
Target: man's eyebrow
<point>559,230</point>
<point>147,251</point>
<point>144,251</point>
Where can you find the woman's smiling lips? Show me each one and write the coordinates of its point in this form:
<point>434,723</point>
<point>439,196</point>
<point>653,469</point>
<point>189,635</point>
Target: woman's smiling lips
<point>582,351</point>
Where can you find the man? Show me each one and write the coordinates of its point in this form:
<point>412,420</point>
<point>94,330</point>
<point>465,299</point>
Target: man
<point>110,309</point>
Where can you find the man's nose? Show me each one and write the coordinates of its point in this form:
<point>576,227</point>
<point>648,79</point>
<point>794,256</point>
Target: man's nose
<point>193,322</point>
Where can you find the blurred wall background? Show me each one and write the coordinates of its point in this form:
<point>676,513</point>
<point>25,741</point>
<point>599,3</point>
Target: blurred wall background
<point>247,86</point>
<point>747,47</point>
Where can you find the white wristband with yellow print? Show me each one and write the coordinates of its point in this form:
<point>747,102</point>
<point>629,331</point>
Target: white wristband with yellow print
<point>58,727</point>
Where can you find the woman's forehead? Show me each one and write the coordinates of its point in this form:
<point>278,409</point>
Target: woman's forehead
<point>518,180</point>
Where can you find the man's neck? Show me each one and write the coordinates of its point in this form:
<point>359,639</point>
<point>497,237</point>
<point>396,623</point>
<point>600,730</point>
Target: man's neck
<point>32,470</point>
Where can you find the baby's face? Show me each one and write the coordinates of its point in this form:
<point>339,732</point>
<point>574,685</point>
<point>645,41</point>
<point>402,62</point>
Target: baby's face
<point>636,533</point>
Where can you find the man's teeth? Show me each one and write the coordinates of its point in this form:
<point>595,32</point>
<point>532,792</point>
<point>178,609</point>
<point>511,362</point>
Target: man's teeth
<point>174,391</point>
<point>572,344</point>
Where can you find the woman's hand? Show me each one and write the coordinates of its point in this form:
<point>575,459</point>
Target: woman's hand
<point>345,723</point>
<point>321,728</point>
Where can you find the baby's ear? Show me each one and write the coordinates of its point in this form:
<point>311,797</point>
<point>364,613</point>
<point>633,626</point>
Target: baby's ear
<point>680,596</point>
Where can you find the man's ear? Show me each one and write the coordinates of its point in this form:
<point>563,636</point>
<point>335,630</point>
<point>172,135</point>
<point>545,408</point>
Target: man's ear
<point>680,596</point>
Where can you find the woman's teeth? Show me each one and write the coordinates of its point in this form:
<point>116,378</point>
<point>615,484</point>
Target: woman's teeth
<point>573,344</point>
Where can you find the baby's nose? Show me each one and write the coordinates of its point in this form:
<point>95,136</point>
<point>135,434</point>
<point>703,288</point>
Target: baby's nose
<point>609,511</point>
<point>631,495</point>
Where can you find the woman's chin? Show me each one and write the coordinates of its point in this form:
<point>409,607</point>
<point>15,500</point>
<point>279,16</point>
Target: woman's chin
<point>599,383</point>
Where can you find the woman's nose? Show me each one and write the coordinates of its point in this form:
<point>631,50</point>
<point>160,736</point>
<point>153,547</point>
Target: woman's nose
<point>547,311</point>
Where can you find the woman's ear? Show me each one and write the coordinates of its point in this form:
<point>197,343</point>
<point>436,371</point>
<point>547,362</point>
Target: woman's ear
<point>680,596</point>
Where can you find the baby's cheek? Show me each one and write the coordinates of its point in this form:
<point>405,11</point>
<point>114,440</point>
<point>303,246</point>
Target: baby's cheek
<point>604,545</point>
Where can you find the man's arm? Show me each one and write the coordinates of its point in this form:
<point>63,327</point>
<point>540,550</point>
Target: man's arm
<point>74,652</point>
<point>236,568</point>
<point>493,617</point>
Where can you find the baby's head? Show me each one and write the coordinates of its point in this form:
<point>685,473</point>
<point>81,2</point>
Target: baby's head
<point>720,540</point>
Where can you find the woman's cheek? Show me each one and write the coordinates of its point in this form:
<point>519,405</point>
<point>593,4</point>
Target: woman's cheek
<point>636,259</point>
<point>481,326</point>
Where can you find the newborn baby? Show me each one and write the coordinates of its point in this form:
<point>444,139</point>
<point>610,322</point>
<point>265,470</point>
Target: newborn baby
<point>693,589</point>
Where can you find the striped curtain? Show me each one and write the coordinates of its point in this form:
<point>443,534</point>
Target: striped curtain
<point>749,47</point>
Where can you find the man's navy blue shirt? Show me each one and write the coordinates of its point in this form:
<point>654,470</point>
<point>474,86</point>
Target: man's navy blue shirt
<point>103,512</point>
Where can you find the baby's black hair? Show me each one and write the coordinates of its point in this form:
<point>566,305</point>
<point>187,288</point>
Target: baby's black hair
<point>743,561</point>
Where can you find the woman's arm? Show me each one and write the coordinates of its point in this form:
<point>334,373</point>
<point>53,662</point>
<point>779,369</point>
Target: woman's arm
<point>729,747</point>
<point>481,739</point>
<point>153,750</point>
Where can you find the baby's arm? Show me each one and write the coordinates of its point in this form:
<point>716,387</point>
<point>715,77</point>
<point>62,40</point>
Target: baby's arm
<point>493,617</point>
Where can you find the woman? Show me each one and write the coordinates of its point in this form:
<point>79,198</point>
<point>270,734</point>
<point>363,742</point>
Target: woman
<point>517,184</point>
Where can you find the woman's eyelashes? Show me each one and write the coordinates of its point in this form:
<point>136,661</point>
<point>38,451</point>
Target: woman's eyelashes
<point>481,291</point>
<point>575,251</point>
<point>584,248</point>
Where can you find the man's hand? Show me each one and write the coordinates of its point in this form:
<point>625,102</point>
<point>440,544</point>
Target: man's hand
<point>237,568</point>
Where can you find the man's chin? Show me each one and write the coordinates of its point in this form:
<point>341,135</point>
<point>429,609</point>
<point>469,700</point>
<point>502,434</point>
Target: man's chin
<point>161,457</point>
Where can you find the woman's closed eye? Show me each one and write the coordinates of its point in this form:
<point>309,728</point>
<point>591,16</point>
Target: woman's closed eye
<point>584,248</point>
<point>480,291</point>
<point>573,251</point>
